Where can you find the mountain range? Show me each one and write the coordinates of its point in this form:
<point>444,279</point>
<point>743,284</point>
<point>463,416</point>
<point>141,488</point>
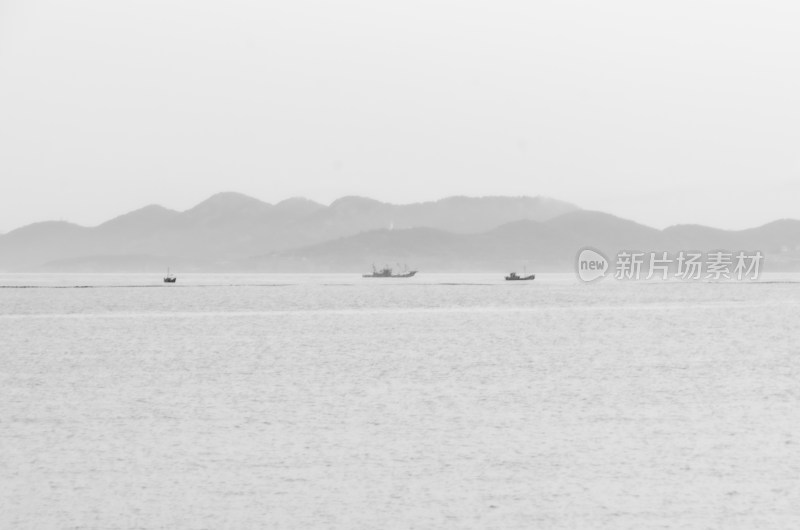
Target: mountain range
<point>234,232</point>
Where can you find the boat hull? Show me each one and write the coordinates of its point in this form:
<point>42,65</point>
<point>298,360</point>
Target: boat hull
<point>404,275</point>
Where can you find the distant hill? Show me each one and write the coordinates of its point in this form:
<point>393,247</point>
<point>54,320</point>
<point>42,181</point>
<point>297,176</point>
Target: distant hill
<point>465,215</point>
<point>27,247</point>
<point>544,246</point>
<point>234,232</point>
<point>229,227</point>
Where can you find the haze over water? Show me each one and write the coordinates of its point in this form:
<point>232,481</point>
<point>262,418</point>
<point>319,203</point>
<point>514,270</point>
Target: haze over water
<point>442,401</point>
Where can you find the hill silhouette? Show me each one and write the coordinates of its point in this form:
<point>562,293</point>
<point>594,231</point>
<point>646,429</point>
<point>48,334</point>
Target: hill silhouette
<point>544,246</point>
<point>235,232</point>
<point>228,227</point>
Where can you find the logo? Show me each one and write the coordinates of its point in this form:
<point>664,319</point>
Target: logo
<point>716,266</point>
<point>591,265</point>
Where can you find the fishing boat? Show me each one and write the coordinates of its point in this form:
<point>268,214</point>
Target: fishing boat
<point>514,276</point>
<point>169,278</point>
<point>386,272</point>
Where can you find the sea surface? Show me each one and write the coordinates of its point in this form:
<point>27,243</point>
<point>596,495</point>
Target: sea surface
<point>440,401</point>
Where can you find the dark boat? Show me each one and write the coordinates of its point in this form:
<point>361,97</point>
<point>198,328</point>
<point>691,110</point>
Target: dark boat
<point>386,272</point>
<point>169,278</point>
<point>515,276</point>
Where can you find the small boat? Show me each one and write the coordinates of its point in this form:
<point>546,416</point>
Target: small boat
<point>169,278</point>
<point>386,272</point>
<point>515,276</point>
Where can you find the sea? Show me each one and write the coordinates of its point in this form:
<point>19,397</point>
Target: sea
<point>440,401</point>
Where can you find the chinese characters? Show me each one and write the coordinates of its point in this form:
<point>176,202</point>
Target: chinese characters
<point>686,265</point>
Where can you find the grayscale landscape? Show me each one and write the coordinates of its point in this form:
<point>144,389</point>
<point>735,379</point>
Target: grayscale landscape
<point>373,265</point>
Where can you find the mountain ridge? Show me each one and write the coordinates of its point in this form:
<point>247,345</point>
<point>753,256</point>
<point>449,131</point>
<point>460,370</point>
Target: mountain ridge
<point>543,246</point>
<point>233,231</point>
<point>229,226</point>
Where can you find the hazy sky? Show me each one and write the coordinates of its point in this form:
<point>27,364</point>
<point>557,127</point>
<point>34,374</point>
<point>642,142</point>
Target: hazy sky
<point>662,112</point>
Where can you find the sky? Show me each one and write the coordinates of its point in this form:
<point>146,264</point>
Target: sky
<point>685,111</point>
